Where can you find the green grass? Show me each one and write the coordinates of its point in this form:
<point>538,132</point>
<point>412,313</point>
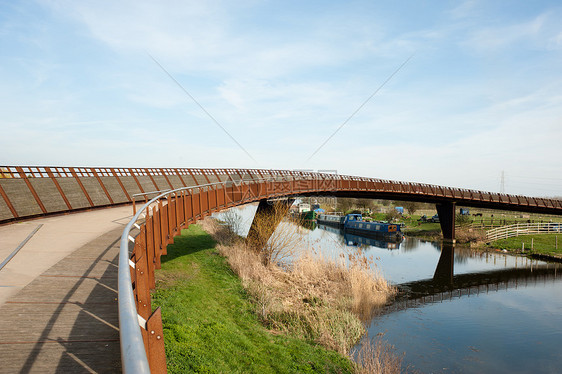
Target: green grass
<point>379,216</point>
<point>210,326</point>
<point>423,228</point>
<point>415,227</point>
<point>543,244</point>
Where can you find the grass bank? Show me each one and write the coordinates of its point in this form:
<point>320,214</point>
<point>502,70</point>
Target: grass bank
<point>418,229</point>
<point>432,231</point>
<point>211,325</point>
<point>542,245</point>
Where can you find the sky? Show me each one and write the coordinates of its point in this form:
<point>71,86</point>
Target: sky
<point>453,93</point>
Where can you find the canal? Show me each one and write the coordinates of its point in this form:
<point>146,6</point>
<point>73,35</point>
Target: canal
<point>459,311</point>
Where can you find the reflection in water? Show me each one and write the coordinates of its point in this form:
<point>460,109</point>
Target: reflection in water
<point>461,311</point>
<point>354,240</point>
<point>358,241</point>
<point>329,229</point>
<point>446,265</point>
<point>479,312</point>
<point>308,224</point>
<point>445,285</point>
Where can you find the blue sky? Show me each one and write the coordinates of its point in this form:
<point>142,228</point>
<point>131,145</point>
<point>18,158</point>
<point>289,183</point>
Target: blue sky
<point>481,94</point>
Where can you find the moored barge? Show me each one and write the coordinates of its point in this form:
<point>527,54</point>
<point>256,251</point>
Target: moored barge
<point>354,224</point>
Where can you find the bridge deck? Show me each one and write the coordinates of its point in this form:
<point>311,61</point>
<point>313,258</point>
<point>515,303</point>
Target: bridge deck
<point>66,319</point>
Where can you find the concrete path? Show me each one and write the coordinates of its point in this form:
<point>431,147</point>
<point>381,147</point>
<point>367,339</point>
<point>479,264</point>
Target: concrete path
<point>58,237</point>
<point>59,311</point>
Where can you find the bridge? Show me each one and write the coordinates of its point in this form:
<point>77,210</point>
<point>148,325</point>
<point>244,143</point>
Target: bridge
<point>29,192</point>
<point>184,196</point>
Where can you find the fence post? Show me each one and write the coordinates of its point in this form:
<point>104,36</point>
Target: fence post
<point>155,335</point>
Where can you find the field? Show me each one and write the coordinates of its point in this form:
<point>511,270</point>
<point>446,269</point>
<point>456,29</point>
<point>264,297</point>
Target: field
<point>544,244</point>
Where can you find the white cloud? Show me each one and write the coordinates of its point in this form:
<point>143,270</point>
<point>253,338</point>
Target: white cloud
<point>535,32</point>
<point>464,9</point>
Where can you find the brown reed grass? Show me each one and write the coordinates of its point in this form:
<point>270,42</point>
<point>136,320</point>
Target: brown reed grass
<point>377,356</point>
<point>316,298</point>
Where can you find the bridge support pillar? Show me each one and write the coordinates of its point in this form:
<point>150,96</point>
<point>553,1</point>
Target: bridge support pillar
<point>268,216</point>
<point>446,212</point>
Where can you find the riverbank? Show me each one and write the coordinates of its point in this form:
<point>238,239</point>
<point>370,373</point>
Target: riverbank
<point>426,231</point>
<point>217,321</point>
<point>432,232</point>
<point>210,324</point>
<point>543,246</point>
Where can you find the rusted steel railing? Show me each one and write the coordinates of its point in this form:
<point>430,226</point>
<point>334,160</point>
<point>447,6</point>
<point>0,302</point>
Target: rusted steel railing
<point>145,196</point>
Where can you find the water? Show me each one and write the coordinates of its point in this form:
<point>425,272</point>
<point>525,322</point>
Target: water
<point>497,314</point>
<point>460,311</point>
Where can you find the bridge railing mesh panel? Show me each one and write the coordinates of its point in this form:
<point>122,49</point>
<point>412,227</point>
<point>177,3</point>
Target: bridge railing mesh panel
<point>27,191</point>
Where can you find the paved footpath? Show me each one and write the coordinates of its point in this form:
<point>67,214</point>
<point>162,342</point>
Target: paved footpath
<point>58,294</point>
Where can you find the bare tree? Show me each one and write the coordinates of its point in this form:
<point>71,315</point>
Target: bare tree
<point>233,220</point>
<point>411,206</point>
<point>364,203</point>
<point>345,204</point>
<point>274,236</point>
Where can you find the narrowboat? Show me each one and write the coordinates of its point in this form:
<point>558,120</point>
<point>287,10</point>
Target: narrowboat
<point>354,224</point>
<point>330,220</point>
<point>331,229</point>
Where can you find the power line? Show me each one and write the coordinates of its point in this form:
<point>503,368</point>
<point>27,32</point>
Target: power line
<point>201,106</point>
<point>360,106</point>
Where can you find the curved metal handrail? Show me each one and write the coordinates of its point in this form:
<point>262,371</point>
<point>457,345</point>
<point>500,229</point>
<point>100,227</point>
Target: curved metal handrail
<point>133,354</point>
<point>133,200</point>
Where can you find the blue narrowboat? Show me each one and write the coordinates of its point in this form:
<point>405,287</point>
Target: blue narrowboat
<point>354,224</point>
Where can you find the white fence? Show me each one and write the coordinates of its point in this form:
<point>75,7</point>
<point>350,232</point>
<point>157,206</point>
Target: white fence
<point>510,231</point>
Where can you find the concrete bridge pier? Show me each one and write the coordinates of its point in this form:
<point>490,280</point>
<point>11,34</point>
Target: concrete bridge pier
<point>446,212</point>
<point>268,216</point>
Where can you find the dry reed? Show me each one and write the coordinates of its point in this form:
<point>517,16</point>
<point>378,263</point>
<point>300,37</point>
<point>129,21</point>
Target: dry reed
<point>316,298</point>
<point>378,357</point>
<point>470,235</point>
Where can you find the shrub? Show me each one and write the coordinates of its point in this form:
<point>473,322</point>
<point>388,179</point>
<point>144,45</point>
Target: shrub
<point>462,219</point>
